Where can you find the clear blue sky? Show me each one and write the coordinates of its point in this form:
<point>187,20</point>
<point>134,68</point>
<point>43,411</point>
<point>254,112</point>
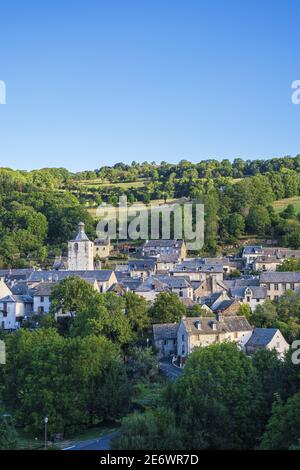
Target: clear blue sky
<point>94,82</point>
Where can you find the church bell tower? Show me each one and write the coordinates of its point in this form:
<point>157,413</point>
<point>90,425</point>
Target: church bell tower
<point>81,252</point>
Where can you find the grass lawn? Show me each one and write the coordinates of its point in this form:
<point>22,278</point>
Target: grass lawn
<point>27,441</point>
<point>281,204</point>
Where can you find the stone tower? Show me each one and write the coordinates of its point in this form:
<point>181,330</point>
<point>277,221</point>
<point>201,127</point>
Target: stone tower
<point>81,252</point>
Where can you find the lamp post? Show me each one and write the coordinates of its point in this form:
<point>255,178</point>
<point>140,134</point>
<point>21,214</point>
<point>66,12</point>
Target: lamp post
<point>46,422</point>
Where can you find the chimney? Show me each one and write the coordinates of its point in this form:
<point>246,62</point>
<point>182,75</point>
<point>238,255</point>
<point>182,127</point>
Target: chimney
<point>219,316</point>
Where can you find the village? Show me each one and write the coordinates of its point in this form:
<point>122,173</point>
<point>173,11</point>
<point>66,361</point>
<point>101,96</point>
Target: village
<point>218,285</point>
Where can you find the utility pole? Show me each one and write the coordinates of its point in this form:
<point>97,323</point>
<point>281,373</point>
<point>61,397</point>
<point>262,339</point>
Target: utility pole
<point>46,422</point>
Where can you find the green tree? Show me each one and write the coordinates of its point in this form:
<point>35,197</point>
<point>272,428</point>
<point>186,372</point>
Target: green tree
<point>244,311</point>
<point>283,429</point>
<point>289,265</point>
<point>258,220</point>
<point>8,435</point>
<point>141,363</point>
<point>72,294</point>
<point>150,431</point>
<point>225,378</point>
<point>137,312</point>
<point>167,308</point>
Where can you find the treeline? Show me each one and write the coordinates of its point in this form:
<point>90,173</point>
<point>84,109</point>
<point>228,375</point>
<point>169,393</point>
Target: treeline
<point>211,168</point>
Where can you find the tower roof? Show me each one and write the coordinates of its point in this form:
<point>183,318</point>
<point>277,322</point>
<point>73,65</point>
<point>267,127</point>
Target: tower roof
<point>81,235</point>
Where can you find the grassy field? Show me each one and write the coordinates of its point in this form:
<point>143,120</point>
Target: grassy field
<point>281,204</point>
<point>92,210</point>
<point>107,184</point>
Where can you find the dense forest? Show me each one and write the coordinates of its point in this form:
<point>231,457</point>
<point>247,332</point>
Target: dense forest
<point>40,208</point>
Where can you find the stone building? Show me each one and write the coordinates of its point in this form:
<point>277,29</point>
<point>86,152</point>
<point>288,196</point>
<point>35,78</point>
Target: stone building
<point>81,252</point>
<point>194,332</point>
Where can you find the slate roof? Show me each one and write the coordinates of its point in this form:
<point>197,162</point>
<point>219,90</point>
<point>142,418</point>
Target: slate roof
<point>267,259</point>
<point>44,289</point>
<point>81,235</point>
<point>277,277</point>
<point>196,266</point>
<point>142,264</point>
<point>165,331</point>
<point>167,258</point>
<point>19,288</point>
<point>257,292</point>
<point>261,337</point>
<point>163,243</point>
<point>224,305</point>
<point>252,249</point>
<point>102,242</point>
<point>55,276</point>
<point>16,274</point>
<point>17,298</point>
<point>225,325</point>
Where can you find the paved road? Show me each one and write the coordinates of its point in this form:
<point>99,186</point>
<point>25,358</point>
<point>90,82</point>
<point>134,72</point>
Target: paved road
<point>170,371</point>
<point>102,443</point>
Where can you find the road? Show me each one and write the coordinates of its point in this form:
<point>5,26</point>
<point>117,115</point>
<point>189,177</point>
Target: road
<point>169,370</point>
<point>102,443</point>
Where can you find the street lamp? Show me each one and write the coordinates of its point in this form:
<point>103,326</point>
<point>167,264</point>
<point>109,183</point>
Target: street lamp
<point>46,422</point>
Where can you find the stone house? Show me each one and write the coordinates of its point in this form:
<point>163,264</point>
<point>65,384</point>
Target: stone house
<point>41,297</point>
<point>102,248</point>
<point>202,331</point>
<point>165,339</point>
<point>267,338</point>
<point>277,283</point>
<point>13,309</point>
<point>165,247</point>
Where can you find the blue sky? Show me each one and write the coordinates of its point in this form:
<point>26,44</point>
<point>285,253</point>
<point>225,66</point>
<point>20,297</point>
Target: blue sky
<point>94,82</point>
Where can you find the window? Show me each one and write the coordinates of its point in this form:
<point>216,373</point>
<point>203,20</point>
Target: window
<point>248,298</point>
<point>276,297</point>
<point>292,286</point>
<point>257,300</point>
<point>275,286</point>
<point>42,298</point>
<point>235,334</point>
<point>277,345</point>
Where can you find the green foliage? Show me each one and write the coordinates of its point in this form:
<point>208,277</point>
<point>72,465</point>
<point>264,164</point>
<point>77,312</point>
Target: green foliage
<point>283,429</point>
<point>283,314</point>
<point>150,431</point>
<point>219,397</point>
<point>137,312</point>
<point>244,311</point>
<point>289,265</point>
<point>72,381</point>
<point>141,364</point>
<point>105,315</point>
<point>167,308</point>
<point>71,295</point>
<point>8,435</point>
